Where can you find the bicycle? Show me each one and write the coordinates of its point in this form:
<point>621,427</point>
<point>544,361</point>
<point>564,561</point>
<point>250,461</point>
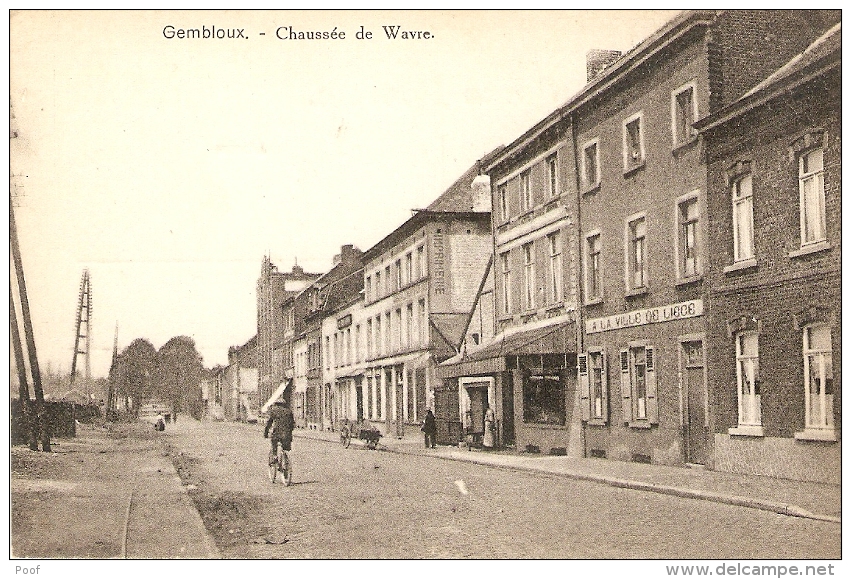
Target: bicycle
<point>280,462</point>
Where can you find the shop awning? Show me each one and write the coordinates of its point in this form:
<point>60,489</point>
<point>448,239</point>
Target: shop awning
<point>557,338</point>
<point>276,395</point>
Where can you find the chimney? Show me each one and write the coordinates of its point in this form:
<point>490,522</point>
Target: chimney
<point>348,254</point>
<point>481,193</point>
<point>596,61</point>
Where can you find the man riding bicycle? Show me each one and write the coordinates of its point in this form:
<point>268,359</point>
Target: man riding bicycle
<point>281,421</point>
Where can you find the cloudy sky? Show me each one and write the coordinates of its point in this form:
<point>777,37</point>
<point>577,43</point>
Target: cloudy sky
<point>169,167</point>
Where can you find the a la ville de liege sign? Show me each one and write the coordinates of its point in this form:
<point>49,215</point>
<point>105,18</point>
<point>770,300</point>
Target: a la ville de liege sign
<point>668,313</point>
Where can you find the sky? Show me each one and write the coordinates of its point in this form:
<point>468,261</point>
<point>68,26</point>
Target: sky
<point>169,167</point>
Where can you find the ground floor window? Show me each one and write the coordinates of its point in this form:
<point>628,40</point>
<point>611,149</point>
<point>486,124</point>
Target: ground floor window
<point>818,377</point>
<point>543,399</point>
<point>638,385</point>
<point>747,377</point>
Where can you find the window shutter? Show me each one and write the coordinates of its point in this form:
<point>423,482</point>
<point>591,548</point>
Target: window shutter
<point>605,388</point>
<point>584,389</point>
<point>626,388</point>
<point>652,399</point>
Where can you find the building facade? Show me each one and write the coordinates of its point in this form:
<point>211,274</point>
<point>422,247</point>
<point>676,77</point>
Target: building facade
<point>775,333</point>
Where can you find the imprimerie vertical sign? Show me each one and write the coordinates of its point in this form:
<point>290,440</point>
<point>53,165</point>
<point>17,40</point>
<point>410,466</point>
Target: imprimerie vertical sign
<point>439,264</point>
<point>668,313</point>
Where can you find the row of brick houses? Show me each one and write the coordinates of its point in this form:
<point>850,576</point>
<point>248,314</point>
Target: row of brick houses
<point>651,273</point>
<point>667,256</point>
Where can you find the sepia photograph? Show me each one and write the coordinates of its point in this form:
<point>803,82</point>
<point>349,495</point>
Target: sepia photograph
<point>555,286</point>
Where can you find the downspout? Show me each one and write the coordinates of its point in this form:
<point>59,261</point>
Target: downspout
<point>580,299</point>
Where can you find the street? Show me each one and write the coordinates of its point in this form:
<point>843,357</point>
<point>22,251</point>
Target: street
<point>356,503</point>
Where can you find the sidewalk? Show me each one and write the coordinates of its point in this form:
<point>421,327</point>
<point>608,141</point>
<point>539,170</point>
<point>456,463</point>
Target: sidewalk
<point>816,501</point>
<point>105,494</point>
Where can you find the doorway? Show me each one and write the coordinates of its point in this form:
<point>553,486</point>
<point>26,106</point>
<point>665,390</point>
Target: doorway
<point>695,398</point>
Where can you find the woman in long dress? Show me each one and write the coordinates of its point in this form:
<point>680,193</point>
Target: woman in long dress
<point>489,436</point>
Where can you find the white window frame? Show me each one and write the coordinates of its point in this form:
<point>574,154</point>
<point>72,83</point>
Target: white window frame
<point>598,295</point>
<point>598,414</point>
<point>529,276</point>
<point>628,261</point>
<point>737,198</point>
<point>502,197</point>
<point>749,404</point>
<point>589,184</point>
<point>552,176</point>
<point>692,133</point>
<point>824,400</point>
<point>526,199</point>
<point>505,262</point>
<point>628,163</point>
<point>679,239</point>
<point>554,242</point>
<point>818,177</point>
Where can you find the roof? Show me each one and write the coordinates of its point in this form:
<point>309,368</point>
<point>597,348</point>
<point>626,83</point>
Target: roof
<point>824,53</point>
<point>342,292</point>
<point>671,31</point>
<point>551,339</point>
<point>451,327</point>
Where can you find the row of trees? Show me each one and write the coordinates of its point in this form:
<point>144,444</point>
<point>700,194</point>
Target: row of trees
<point>172,375</point>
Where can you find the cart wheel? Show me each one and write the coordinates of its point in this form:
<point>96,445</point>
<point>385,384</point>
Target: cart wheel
<point>345,437</point>
<point>372,443</point>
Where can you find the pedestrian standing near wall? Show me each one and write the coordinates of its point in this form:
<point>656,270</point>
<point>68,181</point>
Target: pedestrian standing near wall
<point>489,436</point>
<point>429,429</point>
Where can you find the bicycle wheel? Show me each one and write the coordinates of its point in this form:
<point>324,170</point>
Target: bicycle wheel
<point>286,468</point>
<point>273,467</point>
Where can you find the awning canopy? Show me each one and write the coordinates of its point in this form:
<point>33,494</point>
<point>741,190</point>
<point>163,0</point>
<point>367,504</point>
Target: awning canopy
<point>276,395</point>
<point>559,338</point>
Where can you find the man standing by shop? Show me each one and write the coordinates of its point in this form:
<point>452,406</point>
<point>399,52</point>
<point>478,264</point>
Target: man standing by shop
<point>429,429</point>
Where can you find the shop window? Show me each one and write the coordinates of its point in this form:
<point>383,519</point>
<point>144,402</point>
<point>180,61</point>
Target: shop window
<point>811,185</point>
<point>747,378</point>
<point>638,386</point>
<point>818,378</point>
<point>543,399</point>
<point>593,385</point>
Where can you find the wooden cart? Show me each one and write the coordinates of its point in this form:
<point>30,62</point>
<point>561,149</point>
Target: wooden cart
<point>361,430</point>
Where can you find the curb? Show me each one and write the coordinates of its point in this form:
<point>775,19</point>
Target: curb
<point>788,510</point>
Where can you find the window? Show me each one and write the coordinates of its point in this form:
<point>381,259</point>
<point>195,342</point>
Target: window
<point>552,177</point>
<point>379,338</point>
<point>423,323</point>
<point>409,325</point>
<point>593,383</point>
<point>688,214</point>
<point>503,202</point>
<point>528,276</point>
<point>743,243</point>
<point>421,259</point>
<point>590,166</point>
<point>811,184</point>
<point>633,142</point>
<point>637,254</point>
<point>683,114</point>
<point>543,399</point>
<point>398,279</point>
<point>369,338</point>
<point>747,378</point>
<point>593,279</point>
<point>388,333</point>
<point>554,242</point>
<point>368,288</point>
<point>388,282</point>
<point>347,348</point>
<point>638,386</point>
<point>818,378</point>
<point>378,287</point>
<point>525,192</point>
<point>408,274</point>
<point>506,283</point>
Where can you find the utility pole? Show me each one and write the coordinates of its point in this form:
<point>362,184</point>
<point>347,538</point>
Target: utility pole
<point>83,331</point>
<point>110,410</point>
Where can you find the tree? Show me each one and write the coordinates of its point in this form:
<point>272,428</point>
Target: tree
<point>133,373</point>
<point>179,374</point>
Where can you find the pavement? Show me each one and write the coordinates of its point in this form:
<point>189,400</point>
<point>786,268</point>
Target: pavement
<point>109,493</point>
<point>817,501</point>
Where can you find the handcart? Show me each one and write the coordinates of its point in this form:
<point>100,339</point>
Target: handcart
<point>361,430</point>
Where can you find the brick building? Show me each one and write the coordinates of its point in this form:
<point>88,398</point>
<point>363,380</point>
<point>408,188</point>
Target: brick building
<point>420,282</point>
<point>273,289</point>
<point>774,212</point>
